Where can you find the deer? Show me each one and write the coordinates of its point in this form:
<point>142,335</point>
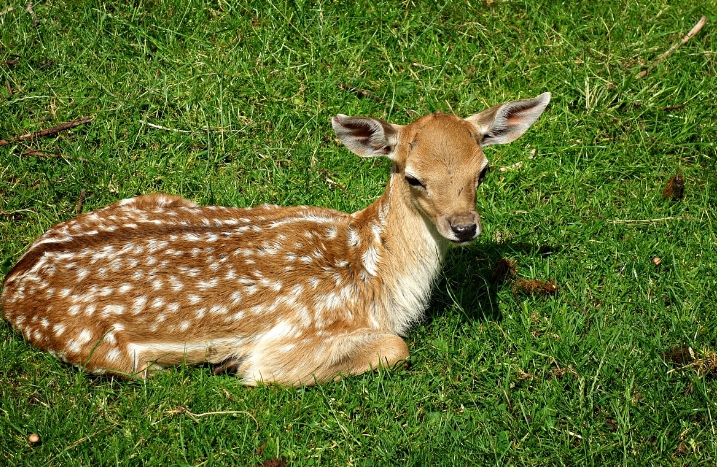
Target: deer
<point>288,295</point>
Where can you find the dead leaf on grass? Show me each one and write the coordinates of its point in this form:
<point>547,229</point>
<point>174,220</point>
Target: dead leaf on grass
<point>535,287</point>
<point>704,362</point>
<point>675,188</point>
<point>505,270</point>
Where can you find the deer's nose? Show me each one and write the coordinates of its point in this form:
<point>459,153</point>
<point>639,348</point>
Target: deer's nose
<point>465,232</point>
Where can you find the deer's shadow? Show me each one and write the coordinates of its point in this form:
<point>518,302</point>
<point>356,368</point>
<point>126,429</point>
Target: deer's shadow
<point>469,279</point>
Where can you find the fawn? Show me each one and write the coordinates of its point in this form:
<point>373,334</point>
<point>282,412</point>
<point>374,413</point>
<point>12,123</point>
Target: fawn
<point>292,295</point>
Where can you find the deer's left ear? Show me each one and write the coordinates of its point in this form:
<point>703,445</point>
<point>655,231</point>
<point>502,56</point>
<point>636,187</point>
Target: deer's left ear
<point>367,137</point>
<point>505,123</point>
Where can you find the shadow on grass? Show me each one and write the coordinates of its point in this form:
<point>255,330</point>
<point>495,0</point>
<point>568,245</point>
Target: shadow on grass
<point>469,282</point>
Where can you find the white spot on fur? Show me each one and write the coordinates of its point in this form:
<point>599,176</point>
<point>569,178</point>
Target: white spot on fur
<point>370,260</point>
<point>176,284</point>
<point>377,230</point>
<point>82,273</point>
<point>138,305</point>
<point>110,338</point>
<point>114,355</point>
<point>354,239</point>
<point>73,346</point>
<point>112,310</point>
<point>84,336</point>
<point>155,245</point>
<point>270,284</point>
<point>218,310</point>
<point>194,299</point>
<point>235,297</point>
<point>209,284</point>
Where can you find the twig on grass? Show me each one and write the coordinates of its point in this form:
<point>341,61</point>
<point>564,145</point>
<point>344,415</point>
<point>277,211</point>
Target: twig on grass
<point>693,32</point>
<point>28,8</point>
<point>6,11</point>
<point>671,107</point>
<point>48,131</point>
<point>33,152</point>
<point>160,127</point>
<point>196,416</point>
<point>80,202</point>
<point>643,221</point>
<point>14,213</point>
<point>335,184</point>
<point>87,438</point>
<point>361,93</point>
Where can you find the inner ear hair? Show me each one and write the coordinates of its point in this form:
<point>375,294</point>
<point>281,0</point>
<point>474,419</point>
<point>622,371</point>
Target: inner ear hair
<point>505,123</point>
<point>367,137</point>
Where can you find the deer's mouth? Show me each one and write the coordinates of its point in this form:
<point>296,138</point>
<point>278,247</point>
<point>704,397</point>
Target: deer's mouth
<point>462,242</point>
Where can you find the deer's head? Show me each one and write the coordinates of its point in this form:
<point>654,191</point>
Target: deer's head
<point>439,158</point>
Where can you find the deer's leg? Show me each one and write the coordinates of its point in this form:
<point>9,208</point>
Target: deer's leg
<point>359,353</point>
<point>324,359</point>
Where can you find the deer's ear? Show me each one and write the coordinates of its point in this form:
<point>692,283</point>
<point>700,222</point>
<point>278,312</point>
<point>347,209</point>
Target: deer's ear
<point>367,137</point>
<point>505,123</point>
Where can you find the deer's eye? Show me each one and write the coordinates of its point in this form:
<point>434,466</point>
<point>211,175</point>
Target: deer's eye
<point>413,181</point>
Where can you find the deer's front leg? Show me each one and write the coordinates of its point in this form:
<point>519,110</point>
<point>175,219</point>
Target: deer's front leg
<point>324,358</point>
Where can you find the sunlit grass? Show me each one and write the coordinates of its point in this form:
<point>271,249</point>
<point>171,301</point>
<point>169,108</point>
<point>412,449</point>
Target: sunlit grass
<point>230,103</point>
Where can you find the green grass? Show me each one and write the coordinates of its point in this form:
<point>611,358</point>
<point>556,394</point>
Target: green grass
<point>246,90</point>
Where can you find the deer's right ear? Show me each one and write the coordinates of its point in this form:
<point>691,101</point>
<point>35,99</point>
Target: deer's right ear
<point>367,137</point>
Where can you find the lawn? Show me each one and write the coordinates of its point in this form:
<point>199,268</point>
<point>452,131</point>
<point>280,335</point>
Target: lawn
<point>230,103</point>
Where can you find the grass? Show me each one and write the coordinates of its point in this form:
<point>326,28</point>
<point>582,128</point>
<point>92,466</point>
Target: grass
<point>230,103</point>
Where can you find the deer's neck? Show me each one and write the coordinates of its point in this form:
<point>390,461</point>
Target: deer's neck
<point>402,257</point>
